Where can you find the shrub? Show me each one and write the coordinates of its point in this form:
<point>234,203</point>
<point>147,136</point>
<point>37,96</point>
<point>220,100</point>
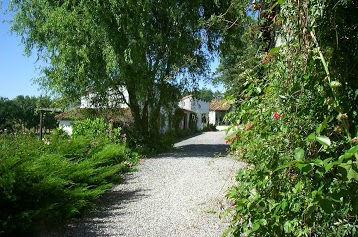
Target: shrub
<point>96,128</point>
<point>210,128</point>
<point>298,131</point>
<point>52,180</point>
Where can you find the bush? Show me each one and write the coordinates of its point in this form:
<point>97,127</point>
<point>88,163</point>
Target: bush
<point>97,128</point>
<point>298,131</point>
<point>53,180</point>
<point>208,127</point>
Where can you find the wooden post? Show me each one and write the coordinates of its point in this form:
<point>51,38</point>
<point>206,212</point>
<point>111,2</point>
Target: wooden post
<point>44,110</point>
<point>40,124</point>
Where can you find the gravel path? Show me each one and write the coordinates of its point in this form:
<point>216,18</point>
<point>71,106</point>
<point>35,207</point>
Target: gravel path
<point>180,193</point>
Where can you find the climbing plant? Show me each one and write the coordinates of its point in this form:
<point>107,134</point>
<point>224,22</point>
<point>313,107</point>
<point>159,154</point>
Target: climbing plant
<point>295,122</point>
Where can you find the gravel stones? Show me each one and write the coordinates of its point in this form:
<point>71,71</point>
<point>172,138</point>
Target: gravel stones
<point>180,193</point>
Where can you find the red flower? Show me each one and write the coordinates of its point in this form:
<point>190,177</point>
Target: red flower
<point>266,58</point>
<point>238,125</point>
<point>227,141</point>
<point>277,115</point>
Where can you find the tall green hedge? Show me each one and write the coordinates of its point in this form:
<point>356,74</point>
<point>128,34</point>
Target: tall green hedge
<point>296,126</point>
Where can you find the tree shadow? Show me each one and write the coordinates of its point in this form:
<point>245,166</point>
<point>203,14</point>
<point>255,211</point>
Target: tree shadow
<point>95,223</point>
<point>197,150</point>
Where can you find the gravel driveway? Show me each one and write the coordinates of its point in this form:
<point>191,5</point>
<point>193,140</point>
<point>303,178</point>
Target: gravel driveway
<point>180,193</point>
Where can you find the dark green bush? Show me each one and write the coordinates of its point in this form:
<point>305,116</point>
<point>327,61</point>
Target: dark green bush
<point>209,128</point>
<point>53,180</point>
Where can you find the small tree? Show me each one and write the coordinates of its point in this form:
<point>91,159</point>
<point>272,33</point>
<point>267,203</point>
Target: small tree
<point>7,115</point>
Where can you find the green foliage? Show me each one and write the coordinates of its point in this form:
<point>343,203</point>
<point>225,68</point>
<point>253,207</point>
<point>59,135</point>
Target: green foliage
<point>193,119</point>
<point>7,114</point>
<point>96,128</point>
<point>55,179</point>
<point>21,114</point>
<point>209,127</point>
<point>296,126</point>
<point>160,47</point>
<point>207,94</point>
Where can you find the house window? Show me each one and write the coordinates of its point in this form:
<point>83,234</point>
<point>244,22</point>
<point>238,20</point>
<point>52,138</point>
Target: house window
<point>204,118</point>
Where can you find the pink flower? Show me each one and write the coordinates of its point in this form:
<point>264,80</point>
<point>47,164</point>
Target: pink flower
<point>232,203</point>
<point>94,143</point>
<point>47,142</point>
<point>124,137</point>
<point>238,125</point>
<point>247,127</point>
<point>277,115</point>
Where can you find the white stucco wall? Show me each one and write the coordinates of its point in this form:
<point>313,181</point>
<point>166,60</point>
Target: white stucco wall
<point>66,125</point>
<point>197,106</point>
<point>212,117</point>
<point>217,117</point>
<point>185,103</point>
<point>114,100</point>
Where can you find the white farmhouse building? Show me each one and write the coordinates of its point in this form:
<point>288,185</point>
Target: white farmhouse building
<point>118,99</point>
<point>218,110</point>
<point>66,125</point>
<point>195,109</point>
<point>197,113</point>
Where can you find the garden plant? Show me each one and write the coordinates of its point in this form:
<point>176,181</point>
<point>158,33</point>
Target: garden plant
<point>44,183</point>
<point>296,121</point>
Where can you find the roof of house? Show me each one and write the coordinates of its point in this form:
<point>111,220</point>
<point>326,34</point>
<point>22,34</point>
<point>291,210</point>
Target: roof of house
<point>187,110</point>
<point>192,96</point>
<point>185,97</point>
<point>116,114</point>
<point>219,105</point>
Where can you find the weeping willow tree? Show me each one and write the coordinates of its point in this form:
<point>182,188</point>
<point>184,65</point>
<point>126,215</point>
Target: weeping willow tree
<point>151,48</point>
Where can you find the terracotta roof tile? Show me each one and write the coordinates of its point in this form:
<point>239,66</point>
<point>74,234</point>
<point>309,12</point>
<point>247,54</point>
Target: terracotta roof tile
<point>219,105</point>
<point>185,97</point>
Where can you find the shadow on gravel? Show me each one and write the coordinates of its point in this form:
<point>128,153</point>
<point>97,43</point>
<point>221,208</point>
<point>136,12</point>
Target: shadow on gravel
<point>197,150</point>
<point>95,223</point>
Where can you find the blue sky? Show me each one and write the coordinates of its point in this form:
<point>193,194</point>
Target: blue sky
<point>18,70</point>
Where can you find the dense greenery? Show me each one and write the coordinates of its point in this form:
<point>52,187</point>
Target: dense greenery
<point>296,119</point>
<point>290,68</point>
<point>152,49</point>
<point>207,94</point>
<point>21,114</point>
<point>46,182</point>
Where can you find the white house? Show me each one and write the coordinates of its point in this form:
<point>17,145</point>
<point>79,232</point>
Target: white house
<point>195,111</point>
<point>217,111</point>
<point>197,108</point>
<point>116,99</point>
<point>66,125</point>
